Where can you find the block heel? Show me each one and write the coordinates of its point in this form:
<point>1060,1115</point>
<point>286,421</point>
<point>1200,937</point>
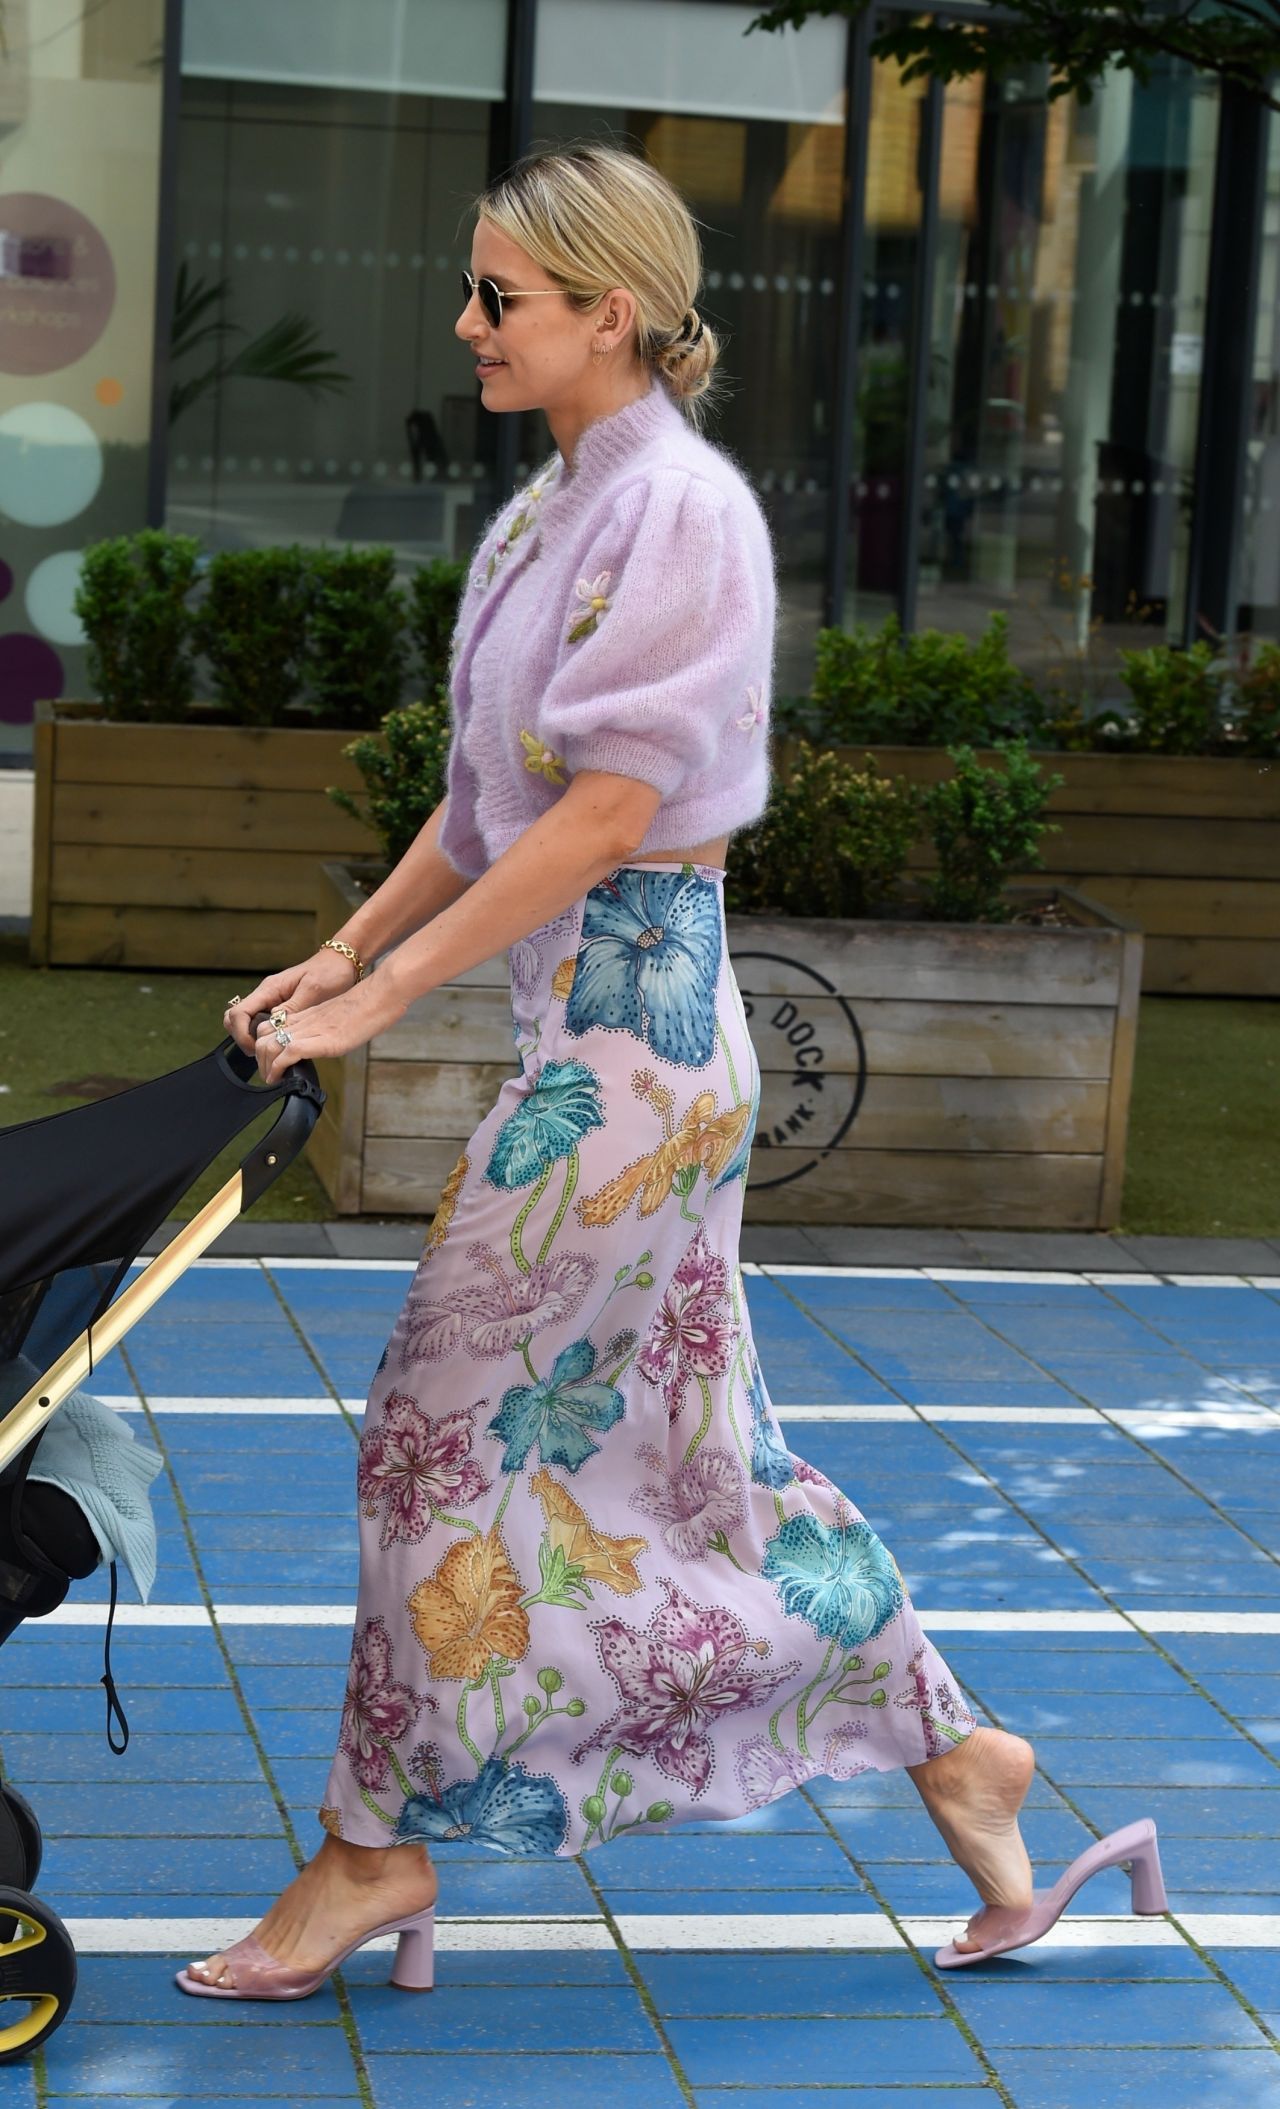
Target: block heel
<point>414,1969</point>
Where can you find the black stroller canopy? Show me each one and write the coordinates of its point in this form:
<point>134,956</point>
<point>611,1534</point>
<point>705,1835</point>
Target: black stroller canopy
<point>80,1194</point>
<point>82,1191</point>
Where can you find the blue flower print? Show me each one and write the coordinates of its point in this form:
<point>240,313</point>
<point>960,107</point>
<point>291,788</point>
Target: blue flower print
<point>557,1412</point>
<point>503,1807</point>
<point>840,1578</point>
<point>562,1107</point>
<point>649,962</point>
<point>771,1464</point>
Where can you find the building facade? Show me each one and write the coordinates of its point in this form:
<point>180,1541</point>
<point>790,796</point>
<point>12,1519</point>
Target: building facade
<point>985,352</point>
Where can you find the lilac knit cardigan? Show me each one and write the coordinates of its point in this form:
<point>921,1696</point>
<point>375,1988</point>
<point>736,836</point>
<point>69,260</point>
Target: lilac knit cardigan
<point>619,616</point>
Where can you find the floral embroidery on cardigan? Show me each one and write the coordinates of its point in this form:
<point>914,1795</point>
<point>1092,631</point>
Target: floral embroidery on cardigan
<point>539,759</point>
<point>752,719</point>
<point>520,521</point>
<point>594,595</point>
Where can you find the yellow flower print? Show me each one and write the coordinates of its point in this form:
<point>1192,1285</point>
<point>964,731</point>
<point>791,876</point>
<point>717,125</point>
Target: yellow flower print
<point>598,1559</point>
<point>594,595</point>
<point>443,1216</point>
<point>469,1610</point>
<point>562,979</point>
<point>539,759</point>
<point>331,1821</point>
<point>704,1140</point>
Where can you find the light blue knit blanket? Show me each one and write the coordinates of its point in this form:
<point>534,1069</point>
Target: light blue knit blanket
<point>93,1455</point>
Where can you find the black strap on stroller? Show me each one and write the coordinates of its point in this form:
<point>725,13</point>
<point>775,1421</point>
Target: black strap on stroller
<point>80,1194</point>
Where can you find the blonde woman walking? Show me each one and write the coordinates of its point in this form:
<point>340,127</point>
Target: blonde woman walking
<point>598,1595</point>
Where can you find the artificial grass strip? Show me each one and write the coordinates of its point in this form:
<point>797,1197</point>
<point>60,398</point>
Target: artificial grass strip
<point>61,1026</point>
<point>1204,1131</point>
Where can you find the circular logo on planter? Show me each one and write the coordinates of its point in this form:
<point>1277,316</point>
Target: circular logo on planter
<point>813,1065</point>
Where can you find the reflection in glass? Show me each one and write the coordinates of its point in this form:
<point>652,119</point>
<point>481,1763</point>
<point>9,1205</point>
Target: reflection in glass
<point>1259,609</point>
<point>751,129</point>
<point>1068,321</point>
<point>323,176</point>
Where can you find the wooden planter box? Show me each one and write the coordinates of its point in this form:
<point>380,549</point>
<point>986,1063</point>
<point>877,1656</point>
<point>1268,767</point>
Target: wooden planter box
<point>912,1073</point>
<point>1186,847</point>
<point>181,845</point>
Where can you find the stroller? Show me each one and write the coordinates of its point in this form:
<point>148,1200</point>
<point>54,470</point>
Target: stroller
<point>80,1194</point>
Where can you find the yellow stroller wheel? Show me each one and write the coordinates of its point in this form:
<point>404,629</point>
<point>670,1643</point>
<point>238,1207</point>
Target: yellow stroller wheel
<point>37,1974</point>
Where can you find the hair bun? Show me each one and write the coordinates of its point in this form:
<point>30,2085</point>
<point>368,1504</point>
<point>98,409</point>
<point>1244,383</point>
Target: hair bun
<point>687,360</point>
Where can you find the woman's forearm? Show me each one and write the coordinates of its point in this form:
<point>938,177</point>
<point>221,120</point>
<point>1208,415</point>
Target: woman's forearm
<point>423,883</point>
<point>595,826</point>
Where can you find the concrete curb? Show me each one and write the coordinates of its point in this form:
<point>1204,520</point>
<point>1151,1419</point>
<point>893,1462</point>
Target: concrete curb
<point>822,1245</point>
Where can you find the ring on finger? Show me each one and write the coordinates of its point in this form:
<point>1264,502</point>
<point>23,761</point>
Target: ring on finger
<point>284,1038</point>
<point>279,1016</point>
<point>232,1005</point>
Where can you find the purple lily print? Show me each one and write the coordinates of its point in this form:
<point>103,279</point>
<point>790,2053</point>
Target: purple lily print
<point>692,1331</point>
<point>678,1679</point>
<point>412,1465</point>
<point>492,1316</point>
<point>378,1710</point>
<point>696,1504</point>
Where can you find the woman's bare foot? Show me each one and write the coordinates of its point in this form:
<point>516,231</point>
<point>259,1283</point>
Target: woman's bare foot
<point>974,1793</point>
<point>344,1892</point>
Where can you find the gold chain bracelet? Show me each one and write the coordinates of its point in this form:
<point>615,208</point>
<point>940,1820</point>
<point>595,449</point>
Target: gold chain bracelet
<point>339,944</point>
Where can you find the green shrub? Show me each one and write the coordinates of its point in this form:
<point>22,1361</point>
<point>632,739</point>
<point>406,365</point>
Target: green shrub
<point>403,768</point>
<point>1257,700</point>
<point>252,629</point>
<point>1177,697</point>
<point>986,824</point>
<point>356,654</point>
<point>927,690</point>
<point>434,594</point>
<point>834,841</point>
<point>134,602</point>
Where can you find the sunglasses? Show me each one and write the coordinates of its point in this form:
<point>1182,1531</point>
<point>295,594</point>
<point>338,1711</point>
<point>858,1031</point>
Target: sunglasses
<point>491,296</point>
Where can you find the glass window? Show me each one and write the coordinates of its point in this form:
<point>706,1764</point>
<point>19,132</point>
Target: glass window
<point>751,129</point>
<point>1259,609</point>
<point>1068,322</point>
<point>79,190</point>
<point>889,267</point>
<point>327,156</point>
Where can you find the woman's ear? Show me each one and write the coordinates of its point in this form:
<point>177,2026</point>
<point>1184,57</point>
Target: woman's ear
<point>615,318</point>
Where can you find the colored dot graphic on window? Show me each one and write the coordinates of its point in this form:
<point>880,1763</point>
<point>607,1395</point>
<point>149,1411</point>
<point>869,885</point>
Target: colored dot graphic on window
<point>109,391</point>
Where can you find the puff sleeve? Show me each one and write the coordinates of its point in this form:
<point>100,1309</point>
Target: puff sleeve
<point>649,687</point>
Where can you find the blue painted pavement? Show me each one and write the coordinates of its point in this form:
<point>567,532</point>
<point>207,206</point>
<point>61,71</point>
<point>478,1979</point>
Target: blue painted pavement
<point>1070,1561</point>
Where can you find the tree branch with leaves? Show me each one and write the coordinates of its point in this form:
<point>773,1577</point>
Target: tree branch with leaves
<point>1235,41</point>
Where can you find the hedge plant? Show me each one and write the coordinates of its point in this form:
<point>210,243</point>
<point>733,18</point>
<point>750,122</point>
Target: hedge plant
<point>356,648</point>
<point>835,839</point>
<point>252,629</point>
<point>932,689</point>
<point>134,600</point>
<point>403,766</point>
<point>434,593</point>
<point>986,823</point>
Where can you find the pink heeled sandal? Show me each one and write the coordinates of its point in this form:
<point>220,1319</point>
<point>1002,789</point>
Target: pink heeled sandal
<point>1133,1847</point>
<point>259,1976</point>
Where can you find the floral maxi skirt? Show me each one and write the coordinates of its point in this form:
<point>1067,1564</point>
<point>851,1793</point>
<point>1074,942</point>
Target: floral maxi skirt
<point>597,1592</point>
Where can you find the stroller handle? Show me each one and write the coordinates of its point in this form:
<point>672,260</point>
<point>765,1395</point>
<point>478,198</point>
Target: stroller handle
<point>290,1131</point>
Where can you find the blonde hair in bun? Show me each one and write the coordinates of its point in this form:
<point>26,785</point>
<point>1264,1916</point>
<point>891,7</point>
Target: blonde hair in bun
<point>598,216</point>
